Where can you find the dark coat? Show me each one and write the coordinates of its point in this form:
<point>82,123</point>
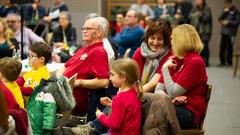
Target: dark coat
<point>70,35</point>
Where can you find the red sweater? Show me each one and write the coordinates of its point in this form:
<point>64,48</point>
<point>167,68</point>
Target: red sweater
<point>125,118</point>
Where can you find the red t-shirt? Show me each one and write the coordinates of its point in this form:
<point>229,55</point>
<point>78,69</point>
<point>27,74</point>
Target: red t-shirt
<point>10,99</point>
<point>137,56</point>
<point>191,75</point>
<point>125,118</point>
<point>88,62</point>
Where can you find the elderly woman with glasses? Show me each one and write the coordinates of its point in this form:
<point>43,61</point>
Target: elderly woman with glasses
<point>64,38</point>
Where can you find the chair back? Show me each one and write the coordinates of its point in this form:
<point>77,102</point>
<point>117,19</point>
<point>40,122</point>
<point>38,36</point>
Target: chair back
<point>207,98</point>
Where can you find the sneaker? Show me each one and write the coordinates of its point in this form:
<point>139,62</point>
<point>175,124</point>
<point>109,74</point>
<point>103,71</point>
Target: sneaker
<point>83,130</point>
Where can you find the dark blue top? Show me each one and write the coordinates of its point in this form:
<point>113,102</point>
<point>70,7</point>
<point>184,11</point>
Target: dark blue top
<point>4,11</point>
<point>129,38</point>
<point>29,13</point>
<point>233,16</point>
<point>5,51</point>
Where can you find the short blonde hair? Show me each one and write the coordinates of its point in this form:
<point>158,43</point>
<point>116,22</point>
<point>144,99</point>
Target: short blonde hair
<point>185,39</point>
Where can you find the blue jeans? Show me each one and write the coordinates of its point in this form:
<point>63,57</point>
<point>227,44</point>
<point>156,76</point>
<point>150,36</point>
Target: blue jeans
<point>185,117</point>
<point>96,124</point>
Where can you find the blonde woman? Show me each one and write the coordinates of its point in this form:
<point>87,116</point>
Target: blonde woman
<point>6,40</point>
<point>184,77</point>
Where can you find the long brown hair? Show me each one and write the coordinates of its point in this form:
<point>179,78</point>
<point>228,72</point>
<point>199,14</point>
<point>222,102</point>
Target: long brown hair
<point>129,68</point>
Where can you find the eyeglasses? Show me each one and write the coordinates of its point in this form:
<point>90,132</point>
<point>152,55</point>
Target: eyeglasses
<point>11,21</point>
<point>31,56</point>
<point>88,28</point>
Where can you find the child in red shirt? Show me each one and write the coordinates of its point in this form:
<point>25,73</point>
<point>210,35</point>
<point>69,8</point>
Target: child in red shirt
<point>125,116</point>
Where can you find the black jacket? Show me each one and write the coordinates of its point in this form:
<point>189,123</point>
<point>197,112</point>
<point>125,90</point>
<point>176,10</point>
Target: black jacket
<point>233,16</point>
<point>70,35</point>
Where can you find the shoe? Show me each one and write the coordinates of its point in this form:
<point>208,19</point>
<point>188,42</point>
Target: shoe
<point>221,65</point>
<point>83,130</point>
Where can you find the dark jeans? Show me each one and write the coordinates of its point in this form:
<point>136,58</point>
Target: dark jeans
<point>205,52</point>
<point>226,49</point>
<point>185,117</point>
<point>94,102</point>
<point>99,128</point>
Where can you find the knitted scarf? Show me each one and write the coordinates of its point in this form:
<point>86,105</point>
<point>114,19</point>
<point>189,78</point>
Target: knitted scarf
<point>152,61</point>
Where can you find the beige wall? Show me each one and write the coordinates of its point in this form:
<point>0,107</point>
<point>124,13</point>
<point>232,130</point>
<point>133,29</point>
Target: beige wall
<point>80,8</point>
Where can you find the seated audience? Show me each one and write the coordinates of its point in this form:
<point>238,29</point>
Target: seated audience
<point>184,80</point>
<point>117,25</point>
<point>153,53</point>
<point>54,12</point>
<point>141,8</point>
<point>34,12</point>
<point>14,23</point>
<point>7,7</point>
<point>163,11</point>
<point>7,41</point>
<point>131,35</point>
<point>64,38</point>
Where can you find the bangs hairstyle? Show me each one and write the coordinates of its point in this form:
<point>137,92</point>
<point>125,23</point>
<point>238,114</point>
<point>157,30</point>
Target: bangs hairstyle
<point>42,50</point>
<point>128,68</point>
<point>162,29</point>
<point>185,39</point>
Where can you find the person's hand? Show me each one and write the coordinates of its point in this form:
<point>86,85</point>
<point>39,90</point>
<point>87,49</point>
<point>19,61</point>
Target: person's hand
<point>56,58</point>
<point>226,9</point>
<point>47,18</point>
<point>170,63</point>
<point>106,101</point>
<point>225,22</point>
<point>98,113</point>
<point>180,100</point>
<point>58,45</point>
<point>155,78</point>
<point>177,16</point>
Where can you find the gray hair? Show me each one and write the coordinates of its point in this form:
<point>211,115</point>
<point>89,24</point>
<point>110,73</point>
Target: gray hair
<point>102,22</point>
<point>15,15</point>
<point>103,25</point>
<point>91,16</point>
<point>67,14</point>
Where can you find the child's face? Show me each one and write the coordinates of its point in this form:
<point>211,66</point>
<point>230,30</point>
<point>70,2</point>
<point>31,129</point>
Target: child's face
<point>34,60</point>
<point>116,79</point>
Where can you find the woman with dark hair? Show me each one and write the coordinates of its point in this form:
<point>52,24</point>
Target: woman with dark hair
<point>154,51</point>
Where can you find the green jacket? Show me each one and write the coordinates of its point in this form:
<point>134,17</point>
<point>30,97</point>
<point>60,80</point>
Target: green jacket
<point>42,111</point>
